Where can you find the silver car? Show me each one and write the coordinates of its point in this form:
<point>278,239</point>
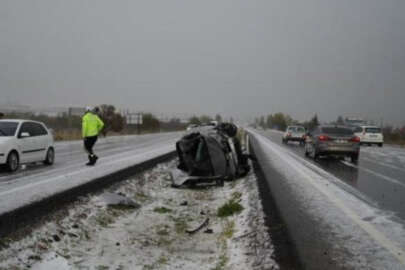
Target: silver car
<point>294,134</point>
<point>333,141</point>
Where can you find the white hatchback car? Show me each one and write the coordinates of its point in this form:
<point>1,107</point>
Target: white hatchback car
<point>370,135</point>
<point>294,134</point>
<point>25,141</point>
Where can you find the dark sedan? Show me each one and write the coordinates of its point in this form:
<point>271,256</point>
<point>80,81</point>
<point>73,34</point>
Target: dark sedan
<point>333,141</point>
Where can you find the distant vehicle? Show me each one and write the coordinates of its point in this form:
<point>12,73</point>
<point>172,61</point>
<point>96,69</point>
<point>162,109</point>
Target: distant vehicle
<point>213,123</point>
<point>294,134</point>
<point>370,135</point>
<point>25,141</point>
<point>191,127</point>
<point>333,141</point>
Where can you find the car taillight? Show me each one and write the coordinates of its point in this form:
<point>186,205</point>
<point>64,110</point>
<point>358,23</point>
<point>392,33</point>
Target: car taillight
<point>355,139</point>
<point>324,138</point>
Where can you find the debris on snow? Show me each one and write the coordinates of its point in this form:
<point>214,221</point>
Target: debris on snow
<point>93,235</point>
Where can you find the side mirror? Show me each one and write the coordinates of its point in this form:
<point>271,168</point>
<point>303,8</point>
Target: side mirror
<point>24,135</point>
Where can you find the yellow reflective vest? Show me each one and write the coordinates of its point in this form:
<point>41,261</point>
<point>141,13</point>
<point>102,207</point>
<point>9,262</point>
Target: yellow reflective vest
<point>91,125</point>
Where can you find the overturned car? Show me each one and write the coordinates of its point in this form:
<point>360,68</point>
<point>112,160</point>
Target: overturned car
<point>210,155</point>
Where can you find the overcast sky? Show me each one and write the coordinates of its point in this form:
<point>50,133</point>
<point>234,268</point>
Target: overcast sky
<point>241,58</point>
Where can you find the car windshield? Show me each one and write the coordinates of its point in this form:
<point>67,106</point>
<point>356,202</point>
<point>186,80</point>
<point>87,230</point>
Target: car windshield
<point>291,129</point>
<point>337,131</point>
<point>358,129</point>
<point>373,130</point>
<point>296,129</point>
<point>8,129</point>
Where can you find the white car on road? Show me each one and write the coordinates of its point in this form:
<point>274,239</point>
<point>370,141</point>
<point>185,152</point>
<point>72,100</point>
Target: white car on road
<point>25,141</point>
<point>294,134</point>
<point>370,135</point>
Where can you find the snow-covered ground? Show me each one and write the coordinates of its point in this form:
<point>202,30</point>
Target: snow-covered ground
<point>374,238</point>
<point>92,235</point>
<point>69,170</point>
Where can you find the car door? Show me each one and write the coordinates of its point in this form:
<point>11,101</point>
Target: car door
<point>27,142</point>
<point>42,141</point>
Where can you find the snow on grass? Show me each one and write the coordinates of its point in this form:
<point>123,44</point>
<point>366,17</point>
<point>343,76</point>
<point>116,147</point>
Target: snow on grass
<point>92,235</point>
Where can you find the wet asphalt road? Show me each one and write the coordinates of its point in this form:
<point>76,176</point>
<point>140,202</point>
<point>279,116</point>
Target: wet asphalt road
<point>379,174</point>
<point>70,156</point>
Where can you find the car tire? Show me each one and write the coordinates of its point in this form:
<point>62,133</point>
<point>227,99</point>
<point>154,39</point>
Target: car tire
<point>50,156</point>
<point>13,161</point>
<point>380,145</point>
<point>354,158</point>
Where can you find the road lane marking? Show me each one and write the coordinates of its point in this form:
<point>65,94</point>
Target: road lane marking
<point>384,164</point>
<point>374,233</point>
<point>387,178</point>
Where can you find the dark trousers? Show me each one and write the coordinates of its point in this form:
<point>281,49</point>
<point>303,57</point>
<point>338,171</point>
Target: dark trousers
<point>89,143</point>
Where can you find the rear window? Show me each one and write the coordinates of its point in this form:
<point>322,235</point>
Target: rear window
<point>358,129</point>
<point>8,128</point>
<point>373,130</point>
<point>296,129</point>
<point>337,130</point>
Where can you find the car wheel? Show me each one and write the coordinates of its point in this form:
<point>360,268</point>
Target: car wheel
<point>13,162</point>
<point>354,158</point>
<point>380,145</point>
<point>50,157</point>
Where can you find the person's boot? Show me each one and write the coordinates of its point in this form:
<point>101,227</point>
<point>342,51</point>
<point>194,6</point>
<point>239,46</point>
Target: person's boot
<point>95,159</point>
<point>91,162</point>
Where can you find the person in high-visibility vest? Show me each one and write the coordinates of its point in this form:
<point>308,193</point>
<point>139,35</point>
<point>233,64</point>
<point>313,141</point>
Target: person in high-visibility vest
<point>91,127</point>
